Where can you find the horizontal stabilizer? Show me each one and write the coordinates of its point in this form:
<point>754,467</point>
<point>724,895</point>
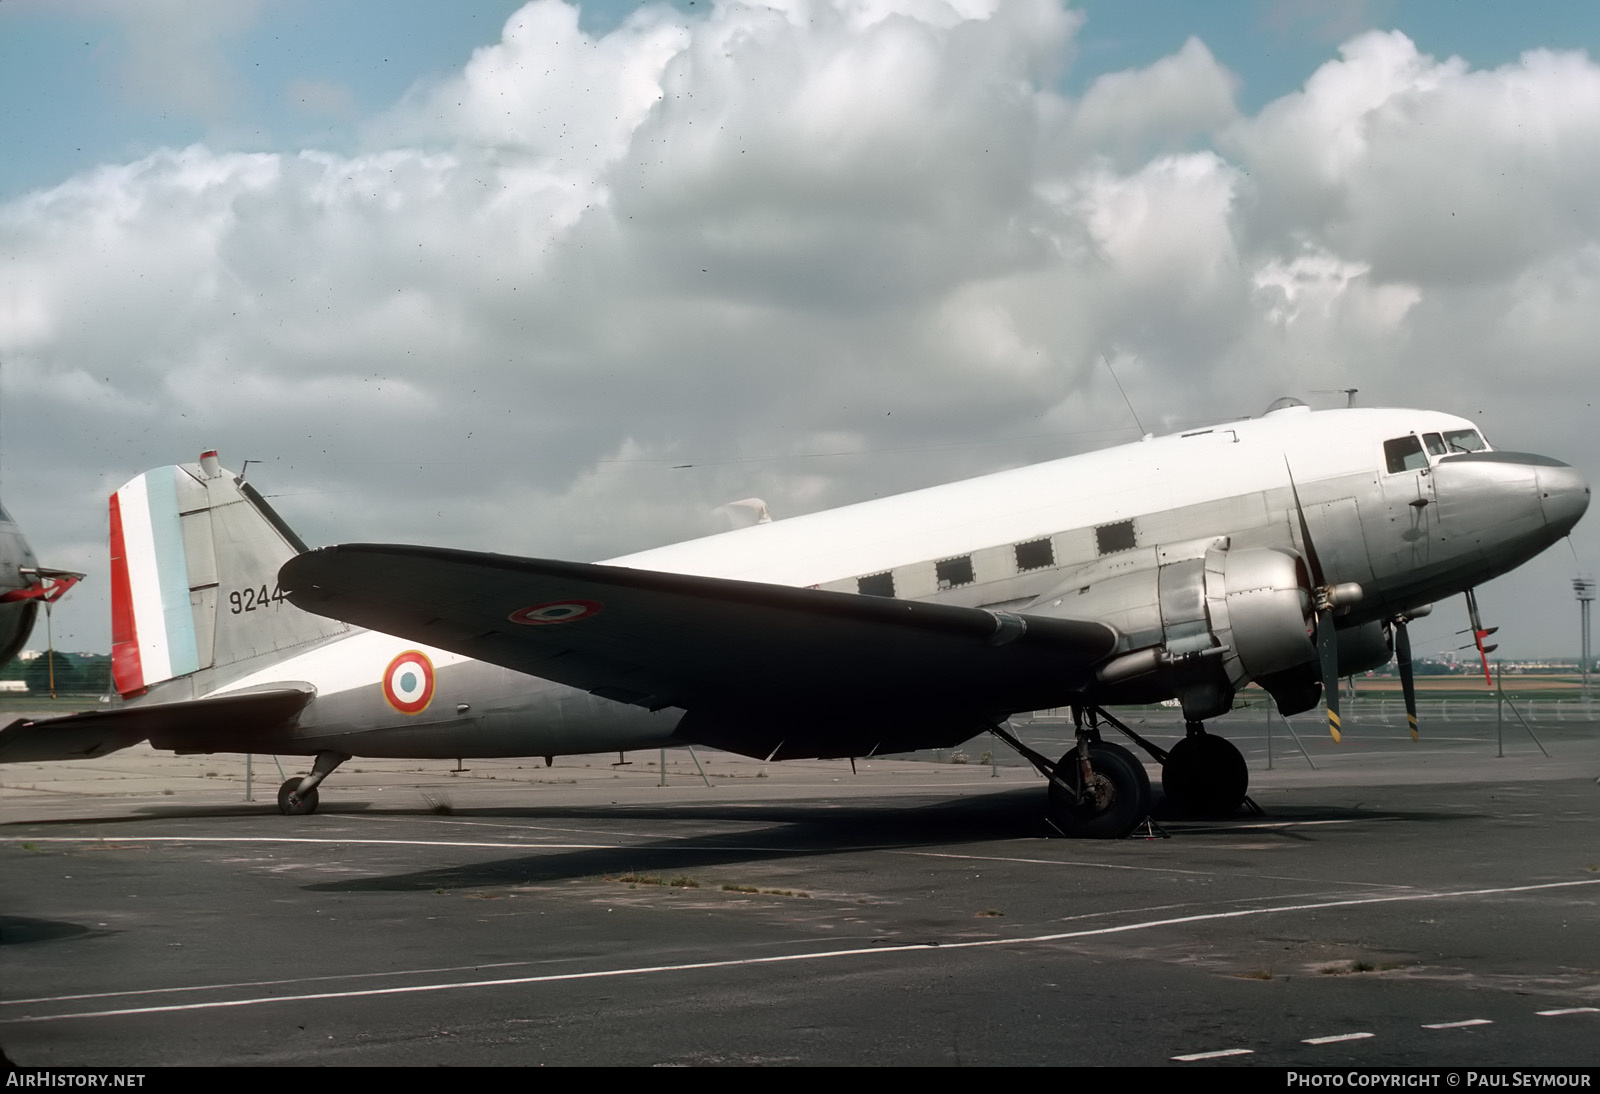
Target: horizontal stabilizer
<point>662,639</point>
<point>220,723</point>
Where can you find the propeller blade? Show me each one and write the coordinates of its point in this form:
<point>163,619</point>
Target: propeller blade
<point>1328,656</point>
<point>1327,634</point>
<point>1408,681</point>
<point>1479,634</point>
<point>1312,561</point>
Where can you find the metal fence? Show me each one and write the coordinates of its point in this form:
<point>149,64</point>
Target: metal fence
<point>1393,711</point>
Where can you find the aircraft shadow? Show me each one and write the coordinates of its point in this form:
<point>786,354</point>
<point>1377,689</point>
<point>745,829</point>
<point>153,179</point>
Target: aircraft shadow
<point>783,831</point>
<point>16,930</point>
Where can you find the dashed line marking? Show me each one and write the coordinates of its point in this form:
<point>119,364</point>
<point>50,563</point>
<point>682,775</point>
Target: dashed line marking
<point>1337,1037</point>
<point>1216,1055</point>
<point>1458,1025</point>
<point>1567,1010</point>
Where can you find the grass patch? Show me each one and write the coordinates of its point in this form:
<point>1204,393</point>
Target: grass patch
<point>990,913</point>
<point>1362,966</point>
<point>730,887</point>
<point>1255,974</point>
<point>684,883</point>
<point>638,879</point>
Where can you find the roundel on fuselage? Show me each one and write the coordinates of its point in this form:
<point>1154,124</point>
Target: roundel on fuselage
<point>408,682</point>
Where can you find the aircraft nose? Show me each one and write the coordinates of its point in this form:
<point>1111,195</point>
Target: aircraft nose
<point>1564,495</point>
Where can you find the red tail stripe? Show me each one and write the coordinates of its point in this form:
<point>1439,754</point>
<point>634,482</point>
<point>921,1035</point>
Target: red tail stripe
<point>127,670</point>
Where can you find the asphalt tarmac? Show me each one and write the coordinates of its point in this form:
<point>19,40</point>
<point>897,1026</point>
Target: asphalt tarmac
<point>1400,904</point>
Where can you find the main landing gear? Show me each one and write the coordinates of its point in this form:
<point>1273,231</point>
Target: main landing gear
<point>297,797</point>
<point>1100,790</point>
<point>1204,776</point>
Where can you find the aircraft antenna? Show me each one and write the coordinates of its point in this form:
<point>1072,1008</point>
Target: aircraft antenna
<point>1124,394</point>
<point>1349,394</point>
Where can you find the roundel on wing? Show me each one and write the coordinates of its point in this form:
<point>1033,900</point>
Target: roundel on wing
<point>408,682</point>
<point>556,611</point>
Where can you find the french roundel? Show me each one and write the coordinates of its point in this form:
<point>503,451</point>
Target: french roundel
<point>408,682</point>
<point>556,611</point>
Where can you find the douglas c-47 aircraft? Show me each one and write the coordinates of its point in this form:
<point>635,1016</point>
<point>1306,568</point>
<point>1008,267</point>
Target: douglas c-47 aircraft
<point>1289,550</point>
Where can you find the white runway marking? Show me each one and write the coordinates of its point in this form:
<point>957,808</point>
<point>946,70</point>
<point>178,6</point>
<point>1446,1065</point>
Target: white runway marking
<point>269,983</point>
<point>131,840</point>
<point>526,845</point>
<point>1336,1038</point>
<point>1216,1055</point>
<point>1459,1025</point>
<point>1148,869</point>
<point>780,959</point>
<point>1567,1010</point>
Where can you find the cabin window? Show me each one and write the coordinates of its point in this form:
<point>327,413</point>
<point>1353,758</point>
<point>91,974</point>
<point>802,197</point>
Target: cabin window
<point>1435,443</point>
<point>1109,538</point>
<point>1036,554</point>
<point>954,571</point>
<point>1464,440</point>
<point>1404,454</point>
<point>876,585</point>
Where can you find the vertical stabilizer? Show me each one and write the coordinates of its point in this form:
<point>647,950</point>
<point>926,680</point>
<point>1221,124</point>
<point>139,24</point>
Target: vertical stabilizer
<point>194,577</point>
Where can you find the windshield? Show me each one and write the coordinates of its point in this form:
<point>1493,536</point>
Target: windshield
<point>1404,454</point>
<point>1465,440</point>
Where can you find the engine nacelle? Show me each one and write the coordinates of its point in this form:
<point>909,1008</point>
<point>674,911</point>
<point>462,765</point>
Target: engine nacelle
<point>1197,628</point>
<point>1369,646</point>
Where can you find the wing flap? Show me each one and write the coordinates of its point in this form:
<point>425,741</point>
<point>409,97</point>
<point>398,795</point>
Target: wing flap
<point>219,723</point>
<point>661,639</point>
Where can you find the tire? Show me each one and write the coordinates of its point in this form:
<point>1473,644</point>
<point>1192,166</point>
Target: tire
<point>291,804</point>
<point>1205,776</point>
<point>1118,799</point>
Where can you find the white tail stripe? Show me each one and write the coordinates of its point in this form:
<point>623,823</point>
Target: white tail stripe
<point>158,575</point>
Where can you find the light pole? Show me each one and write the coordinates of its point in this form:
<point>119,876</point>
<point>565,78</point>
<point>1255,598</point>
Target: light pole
<point>1583,587</point>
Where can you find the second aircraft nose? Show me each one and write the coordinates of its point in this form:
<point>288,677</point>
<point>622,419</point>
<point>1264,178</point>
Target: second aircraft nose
<point>1564,496</point>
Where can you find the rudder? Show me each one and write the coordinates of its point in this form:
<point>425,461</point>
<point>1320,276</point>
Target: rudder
<point>195,553</point>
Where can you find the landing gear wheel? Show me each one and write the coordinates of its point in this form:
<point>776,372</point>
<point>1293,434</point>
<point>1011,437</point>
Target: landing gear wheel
<point>1116,799</point>
<point>291,803</point>
<point>1205,776</point>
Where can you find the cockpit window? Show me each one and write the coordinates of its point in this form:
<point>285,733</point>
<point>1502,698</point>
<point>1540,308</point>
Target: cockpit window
<point>1435,443</point>
<point>1464,440</point>
<point>1404,454</point>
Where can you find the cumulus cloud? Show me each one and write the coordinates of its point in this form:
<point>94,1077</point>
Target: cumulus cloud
<point>574,297</point>
<point>1163,107</point>
<point>176,51</point>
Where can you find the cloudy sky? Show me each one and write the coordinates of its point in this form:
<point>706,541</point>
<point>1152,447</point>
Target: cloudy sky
<point>558,281</point>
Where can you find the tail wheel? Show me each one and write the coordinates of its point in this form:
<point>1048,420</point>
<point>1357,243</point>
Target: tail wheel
<point>1205,776</point>
<point>1116,798</point>
<point>291,803</point>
